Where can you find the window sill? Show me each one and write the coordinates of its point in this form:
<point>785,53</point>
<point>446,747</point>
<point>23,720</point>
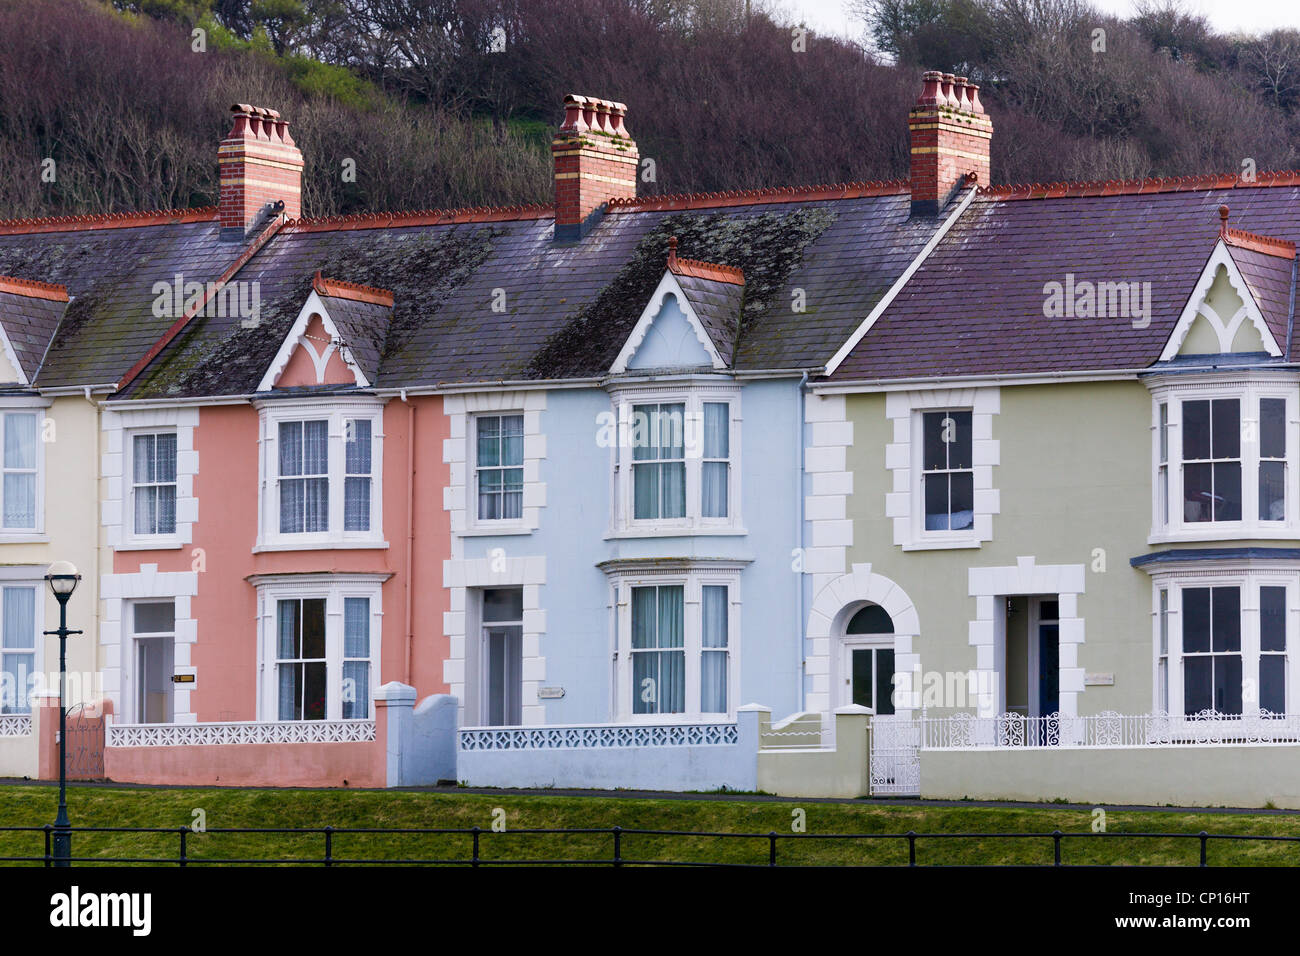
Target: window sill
<point>486,531</point>
<point>146,544</point>
<point>18,537</point>
<point>1279,530</point>
<point>683,532</point>
<point>955,544</point>
<point>376,545</point>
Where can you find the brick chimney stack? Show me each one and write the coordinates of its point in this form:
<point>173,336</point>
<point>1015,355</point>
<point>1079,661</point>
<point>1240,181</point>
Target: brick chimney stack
<point>595,161</point>
<point>260,165</point>
<point>950,138</point>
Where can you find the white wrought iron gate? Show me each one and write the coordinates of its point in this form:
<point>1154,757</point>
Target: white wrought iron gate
<point>895,756</point>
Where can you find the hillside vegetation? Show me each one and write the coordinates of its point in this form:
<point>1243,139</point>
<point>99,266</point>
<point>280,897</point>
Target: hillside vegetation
<point>116,106</point>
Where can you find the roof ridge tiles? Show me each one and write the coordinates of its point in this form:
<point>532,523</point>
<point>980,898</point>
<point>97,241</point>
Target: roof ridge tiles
<point>34,289</point>
<point>420,217</point>
<point>767,194</point>
<point>341,289</point>
<point>713,271</point>
<point>1255,242</point>
<point>1125,187</point>
<point>107,220</point>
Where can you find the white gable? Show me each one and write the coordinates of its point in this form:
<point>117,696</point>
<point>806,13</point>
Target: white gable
<point>668,335</point>
<point>297,338</point>
<point>1221,315</point>
<point>11,369</point>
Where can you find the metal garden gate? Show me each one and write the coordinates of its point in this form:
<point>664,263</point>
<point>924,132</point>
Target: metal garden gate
<point>85,744</point>
<point>895,756</point>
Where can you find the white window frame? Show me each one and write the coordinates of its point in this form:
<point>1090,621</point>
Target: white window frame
<point>37,408</point>
<point>271,589</point>
<point>130,482</point>
<point>336,412</point>
<point>33,577</point>
<point>1249,581</point>
<point>1248,390</point>
<point>476,520</point>
<point>692,582</point>
<point>693,395</point>
<point>130,687</point>
<point>905,458</point>
<point>479,641</point>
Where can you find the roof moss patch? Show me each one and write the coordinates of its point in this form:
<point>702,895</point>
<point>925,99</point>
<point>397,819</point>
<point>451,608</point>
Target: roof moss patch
<point>228,356</point>
<point>766,247</point>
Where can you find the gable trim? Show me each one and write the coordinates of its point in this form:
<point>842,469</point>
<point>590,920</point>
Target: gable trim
<point>1227,330</point>
<point>667,285</point>
<point>295,338</point>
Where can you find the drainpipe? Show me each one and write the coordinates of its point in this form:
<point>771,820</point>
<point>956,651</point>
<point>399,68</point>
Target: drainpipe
<point>410,530</point>
<point>801,662</point>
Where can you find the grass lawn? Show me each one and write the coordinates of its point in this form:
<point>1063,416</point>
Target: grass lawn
<point>96,806</point>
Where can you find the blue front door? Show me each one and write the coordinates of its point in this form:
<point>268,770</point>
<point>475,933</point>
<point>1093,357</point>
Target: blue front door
<point>1049,669</point>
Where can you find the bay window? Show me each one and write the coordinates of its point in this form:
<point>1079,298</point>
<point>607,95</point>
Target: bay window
<point>676,461</point>
<point>321,476</point>
<point>1223,459</point>
<point>676,641</point>
<point>1222,639</point>
<point>319,646</point>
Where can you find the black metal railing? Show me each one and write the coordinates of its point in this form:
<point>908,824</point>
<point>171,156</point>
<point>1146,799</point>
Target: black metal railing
<point>473,840</point>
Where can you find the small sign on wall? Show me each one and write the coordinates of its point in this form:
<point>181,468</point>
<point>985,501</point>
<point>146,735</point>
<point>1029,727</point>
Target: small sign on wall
<point>182,678</point>
<point>550,693</point>
<point>1096,680</point>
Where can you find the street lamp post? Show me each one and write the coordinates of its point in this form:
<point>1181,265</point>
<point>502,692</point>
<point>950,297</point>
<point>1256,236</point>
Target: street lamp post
<point>62,578</point>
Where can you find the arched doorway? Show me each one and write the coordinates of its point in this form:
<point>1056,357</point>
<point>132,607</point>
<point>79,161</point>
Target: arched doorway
<point>867,659</point>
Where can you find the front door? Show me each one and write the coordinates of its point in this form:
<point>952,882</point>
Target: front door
<point>868,671</point>
<point>504,669</point>
<point>1049,659</point>
<point>153,680</point>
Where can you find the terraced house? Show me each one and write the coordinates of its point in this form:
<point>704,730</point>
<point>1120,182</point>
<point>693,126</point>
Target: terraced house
<point>913,487</point>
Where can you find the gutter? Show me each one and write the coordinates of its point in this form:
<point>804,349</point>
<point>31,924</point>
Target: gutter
<point>801,661</point>
<point>899,283</point>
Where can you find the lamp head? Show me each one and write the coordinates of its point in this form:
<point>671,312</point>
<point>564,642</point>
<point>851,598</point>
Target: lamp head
<point>62,577</point>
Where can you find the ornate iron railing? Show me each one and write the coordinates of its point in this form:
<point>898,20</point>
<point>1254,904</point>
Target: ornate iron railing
<point>15,725</point>
<point>1107,729</point>
<point>597,736</point>
<point>241,732</point>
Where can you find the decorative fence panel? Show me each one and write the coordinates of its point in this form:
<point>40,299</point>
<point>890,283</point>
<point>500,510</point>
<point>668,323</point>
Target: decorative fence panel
<point>15,725</point>
<point>1107,729</point>
<point>597,736</point>
<point>241,732</point>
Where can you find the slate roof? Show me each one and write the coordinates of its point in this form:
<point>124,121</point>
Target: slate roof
<point>1269,279</point>
<point>110,270</point>
<point>501,301</point>
<point>29,322</point>
<point>717,305</point>
<point>976,305</point>
<point>363,326</point>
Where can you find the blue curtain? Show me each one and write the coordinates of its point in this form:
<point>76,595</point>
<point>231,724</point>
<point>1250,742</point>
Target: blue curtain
<point>713,660</point>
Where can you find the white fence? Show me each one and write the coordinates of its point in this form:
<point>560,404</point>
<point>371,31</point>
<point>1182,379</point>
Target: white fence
<point>240,732</point>
<point>1107,729</point>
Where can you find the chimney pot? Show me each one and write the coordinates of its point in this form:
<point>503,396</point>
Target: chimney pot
<point>945,89</point>
<point>959,90</point>
<point>591,170</point>
<point>949,151</point>
<point>930,89</point>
